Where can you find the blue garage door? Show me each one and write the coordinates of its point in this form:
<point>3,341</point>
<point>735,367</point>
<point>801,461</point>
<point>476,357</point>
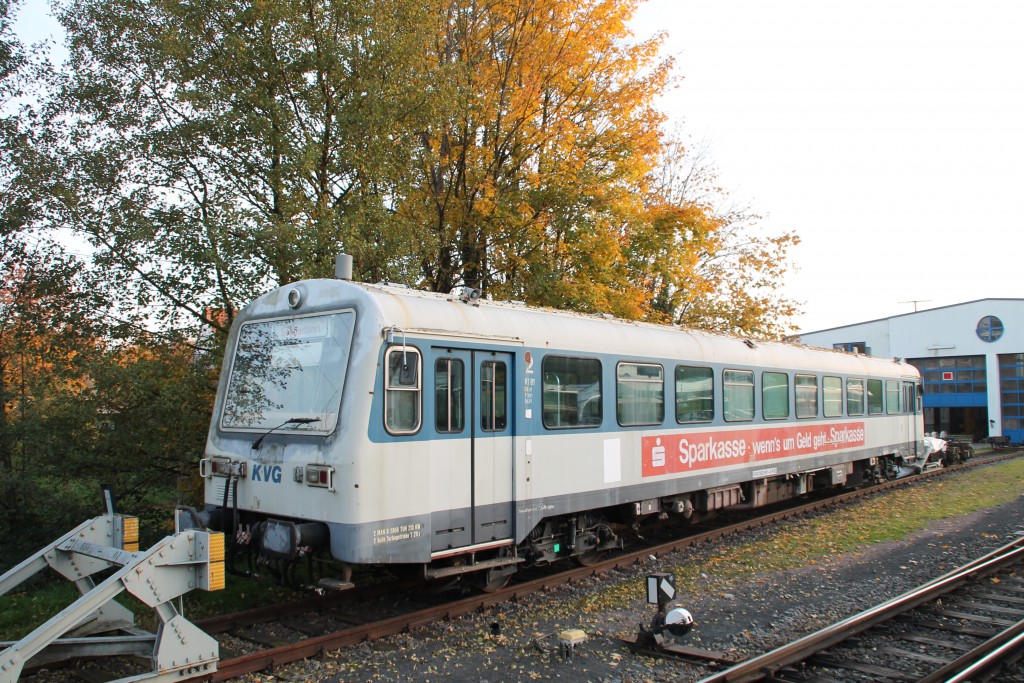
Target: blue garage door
<point>1011,391</point>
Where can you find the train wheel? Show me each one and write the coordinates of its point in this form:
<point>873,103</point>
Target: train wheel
<point>598,535</point>
<point>589,558</point>
<point>494,582</point>
<point>494,579</point>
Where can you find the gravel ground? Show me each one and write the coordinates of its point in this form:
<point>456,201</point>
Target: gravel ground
<point>515,642</point>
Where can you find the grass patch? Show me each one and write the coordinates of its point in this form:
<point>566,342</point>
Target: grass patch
<point>21,612</point>
<point>888,517</point>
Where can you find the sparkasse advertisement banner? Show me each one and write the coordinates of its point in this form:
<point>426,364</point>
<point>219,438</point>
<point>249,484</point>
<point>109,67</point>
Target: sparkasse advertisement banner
<point>671,453</point>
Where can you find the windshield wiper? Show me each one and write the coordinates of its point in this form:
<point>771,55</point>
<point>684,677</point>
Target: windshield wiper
<point>291,421</point>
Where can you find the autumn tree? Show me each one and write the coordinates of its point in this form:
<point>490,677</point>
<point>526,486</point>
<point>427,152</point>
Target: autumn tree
<point>69,355</point>
<point>85,399</point>
<point>527,182</point>
<point>46,330</point>
<point>705,262</point>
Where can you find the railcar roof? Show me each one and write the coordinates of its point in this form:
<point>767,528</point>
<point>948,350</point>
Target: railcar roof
<point>417,311</point>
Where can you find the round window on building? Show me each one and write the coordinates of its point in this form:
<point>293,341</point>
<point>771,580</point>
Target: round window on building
<point>990,328</point>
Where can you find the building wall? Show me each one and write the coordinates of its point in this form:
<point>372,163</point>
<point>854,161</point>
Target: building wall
<point>951,332</point>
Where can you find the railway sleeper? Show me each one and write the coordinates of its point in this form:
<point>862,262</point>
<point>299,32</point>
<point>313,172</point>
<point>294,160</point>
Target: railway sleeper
<point>877,670</point>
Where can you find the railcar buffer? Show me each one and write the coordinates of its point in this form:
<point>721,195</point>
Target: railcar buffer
<point>190,559</point>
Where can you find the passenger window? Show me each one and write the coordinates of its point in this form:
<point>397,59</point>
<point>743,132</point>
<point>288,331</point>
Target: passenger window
<point>640,394</point>
<point>892,397</point>
<point>738,396</point>
<point>807,396</point>
<point>774,395</point>
<point>695,394</point>
<point>402,390</point>
<point>572,392</point>
<point>832,387</point>
<point>449,395</point>
<point>911,398</point>
<point>493,396</point>
<point>855,397</point>
<point>874,397</point>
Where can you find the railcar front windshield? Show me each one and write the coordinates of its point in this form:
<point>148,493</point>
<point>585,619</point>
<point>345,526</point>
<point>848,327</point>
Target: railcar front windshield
<point>287,375</point>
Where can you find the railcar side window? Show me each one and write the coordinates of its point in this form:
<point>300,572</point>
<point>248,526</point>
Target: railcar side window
<point>572,392</point>
<point>806,395</point>
<point>854,396</point>
<point>911,397</point>
<point>774,395</point>
<point>738,396</point>
<point>449,395</point>
<point>892,397</point>
<point>832,388</point>
<point>402,390</point>
<point>695,394</point>
<point>909,401</point>
<point>874,397</point>
<point>640,394</point>
<point>493,396</point>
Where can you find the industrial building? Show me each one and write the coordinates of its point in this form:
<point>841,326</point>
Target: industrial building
<point>971,358</point>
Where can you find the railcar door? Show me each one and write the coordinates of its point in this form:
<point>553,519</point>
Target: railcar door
<point>452,452</point>
<point>911,408</point>
<point>472,474</point>
<point>492,447</point>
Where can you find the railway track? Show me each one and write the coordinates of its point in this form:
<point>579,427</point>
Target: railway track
<point>311,627</point>
<point>967,625</point>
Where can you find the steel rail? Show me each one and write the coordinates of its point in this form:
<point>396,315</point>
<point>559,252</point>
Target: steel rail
<point>1006,646</point>
<point>763,667</point>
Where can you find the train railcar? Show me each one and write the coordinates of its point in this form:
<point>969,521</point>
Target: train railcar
<point>396,427</point>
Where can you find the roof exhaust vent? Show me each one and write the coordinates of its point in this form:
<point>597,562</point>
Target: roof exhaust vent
<point>343,267</point>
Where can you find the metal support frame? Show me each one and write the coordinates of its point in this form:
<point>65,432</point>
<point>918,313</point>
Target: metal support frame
<point>179,650</point>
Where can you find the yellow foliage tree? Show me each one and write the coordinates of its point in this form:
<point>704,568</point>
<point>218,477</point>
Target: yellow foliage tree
<point>531,175</point>
<point>704,263</point>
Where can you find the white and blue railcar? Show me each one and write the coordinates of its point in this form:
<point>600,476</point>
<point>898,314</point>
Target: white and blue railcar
<point>392,426</point>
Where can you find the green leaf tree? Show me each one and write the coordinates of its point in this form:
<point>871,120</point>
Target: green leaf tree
<point>209,150</point>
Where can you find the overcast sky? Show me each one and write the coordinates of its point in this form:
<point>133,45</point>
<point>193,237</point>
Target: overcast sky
<point>888,134</point>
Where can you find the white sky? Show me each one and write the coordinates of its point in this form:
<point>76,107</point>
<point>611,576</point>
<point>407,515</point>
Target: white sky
<point>888,134</point>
